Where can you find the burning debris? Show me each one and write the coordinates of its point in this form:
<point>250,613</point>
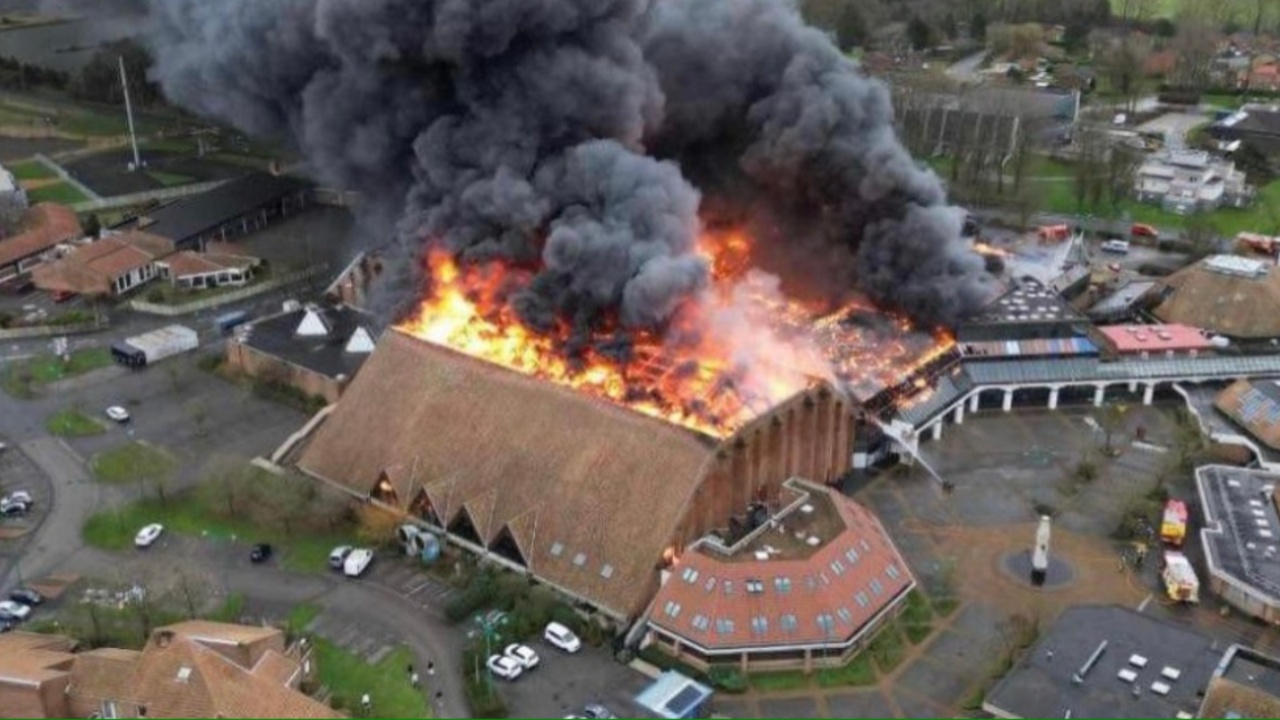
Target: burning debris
<point>558,172</point>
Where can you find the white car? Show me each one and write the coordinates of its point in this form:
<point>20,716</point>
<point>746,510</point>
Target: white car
<point>357,562</point>
<point>527,658</point>
<point>562,637</point>
<point>117,413</point>
<point>148,535</point>
<point>339,555</point>
<point>504,667</point>
<point>14,610</point>
<point>21,496</point>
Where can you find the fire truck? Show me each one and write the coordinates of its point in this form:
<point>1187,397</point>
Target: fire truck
<point>1054,233</point>
<point>1180,581</point>
<point>1173,526</point>
<point>1262,244</point>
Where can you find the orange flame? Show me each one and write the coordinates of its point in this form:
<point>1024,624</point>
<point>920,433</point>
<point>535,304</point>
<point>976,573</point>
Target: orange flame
<point>726,356</point>
<point>991,250</point>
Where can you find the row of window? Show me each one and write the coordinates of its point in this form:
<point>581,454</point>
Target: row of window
<point>580,560</point>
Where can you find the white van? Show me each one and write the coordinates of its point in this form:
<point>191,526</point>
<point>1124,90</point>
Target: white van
<point>1120,247</point>
<point>357,562</point>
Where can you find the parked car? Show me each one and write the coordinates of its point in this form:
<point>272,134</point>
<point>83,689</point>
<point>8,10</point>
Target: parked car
<point>260,553</point>
<point>1144,230</point>
<point>1116,246</point>
<point>26,596</point>
<point>357,562</point>
<point>522,654</point>
<point>117,413</point>
<point>504,667</point>
<point>147,535</point>
<point>61,296</point>
<point>21,496</point>
<point>339,556</point>
<point>10,610</point>
<point>562,637</point>
<point>598,712</point>
<point>13,508</point>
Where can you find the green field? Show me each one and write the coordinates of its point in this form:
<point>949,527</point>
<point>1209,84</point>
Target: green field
<point>1157,8</point>
<point>61,192</point>
<point>73,423</point>
<point>348,677</point>
<point>129,462</point>
<point>31,170</point>
<point>27,378</point>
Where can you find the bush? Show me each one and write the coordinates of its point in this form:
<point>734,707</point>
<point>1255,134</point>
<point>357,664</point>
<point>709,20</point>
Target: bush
<point>209,362</point>
<point>155,296</point>
<point>479,592</point>
<point>485,700</point>
<point>288,395</point>
<point>729,679</point>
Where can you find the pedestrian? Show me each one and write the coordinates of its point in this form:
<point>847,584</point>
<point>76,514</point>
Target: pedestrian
<point>366,704</point>
<point>431,668</point>
<point>408,670</point>
<point>413,680</point>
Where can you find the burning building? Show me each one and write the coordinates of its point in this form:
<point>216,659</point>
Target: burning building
<point>586,494</point>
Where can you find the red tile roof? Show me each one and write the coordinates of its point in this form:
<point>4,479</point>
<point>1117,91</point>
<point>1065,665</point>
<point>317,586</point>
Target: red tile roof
<point>1155,338</point>
<point>187,263</point>
<point>740,603</point>
<point>91,269</point>
<point>44,226</point>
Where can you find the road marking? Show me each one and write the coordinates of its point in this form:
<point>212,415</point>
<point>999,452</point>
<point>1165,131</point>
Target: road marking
<point>418,586</point>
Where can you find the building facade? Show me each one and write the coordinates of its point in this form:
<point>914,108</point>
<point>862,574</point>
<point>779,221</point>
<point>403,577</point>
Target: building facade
<point>1191,181</point>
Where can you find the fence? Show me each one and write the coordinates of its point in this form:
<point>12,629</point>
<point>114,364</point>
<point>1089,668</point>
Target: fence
<point>38,331</point>
<point>228,298</point>
<point>146,196</point>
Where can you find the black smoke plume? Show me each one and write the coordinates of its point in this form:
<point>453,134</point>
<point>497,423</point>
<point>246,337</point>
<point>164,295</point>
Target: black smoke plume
<point>579,138</point>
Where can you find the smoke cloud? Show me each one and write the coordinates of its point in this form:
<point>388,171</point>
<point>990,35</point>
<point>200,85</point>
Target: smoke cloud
<point>584,139</point>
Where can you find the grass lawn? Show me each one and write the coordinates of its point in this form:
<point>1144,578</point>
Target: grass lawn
<point>917,618</point>
<point>31,170</point>
<point>72,423</point>
<point>1159,8</point>
<point>1059,197</point>
<point>60,192</point>
<point>169,179</point>
<point>26,378</point>
<point>131,461</point>
<point>348,677</point>
<point>857,672</point>
<point>778,681</point>
<point>300,617</point>
<point>186,513</point>
<point>887,649</point>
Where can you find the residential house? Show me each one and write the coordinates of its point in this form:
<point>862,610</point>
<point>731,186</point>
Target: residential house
<point>198,271</point>
<point>43,228</point>
<point>193,669</point>
<point>1189,181</point>
<point>110,267</point>
<point>1257,125</point>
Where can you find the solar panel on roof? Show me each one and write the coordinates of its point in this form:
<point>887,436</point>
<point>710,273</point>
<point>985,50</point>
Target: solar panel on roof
<point>682,702</point>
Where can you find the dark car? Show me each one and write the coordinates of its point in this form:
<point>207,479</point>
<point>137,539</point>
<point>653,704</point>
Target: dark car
<point>26,596</point>
<point>260,553</point>
<point>598,712</point>
<point>14,508</point>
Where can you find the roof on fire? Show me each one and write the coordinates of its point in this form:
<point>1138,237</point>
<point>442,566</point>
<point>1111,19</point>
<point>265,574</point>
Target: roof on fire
<point>591,493</point>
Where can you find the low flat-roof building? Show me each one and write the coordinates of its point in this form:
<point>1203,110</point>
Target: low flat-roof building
<point>1107,661</point>
<point>1124,303</point>
<point>315,349</point>
<point>44,227</point>
<point>1189,181</point>
<point>1241,537</point>
<point>811,586</point>
<point>675,697</point>
<point>236,208</point>
<point>1161,341</point>
<point>198,271</point>
<point>1245,685</point>
<point>112,266</point>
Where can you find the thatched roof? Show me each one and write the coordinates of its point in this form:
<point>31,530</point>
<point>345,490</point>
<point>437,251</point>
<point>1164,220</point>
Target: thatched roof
<point>1231,305</point>
<point>590,492</point>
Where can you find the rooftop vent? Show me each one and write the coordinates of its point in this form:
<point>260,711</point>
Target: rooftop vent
<point>1160,688</point>
<point>360,342</point>
<point>1127,675</point>
<point>1137,660</point>
<point>313,324</point>
<point>1170,673</point>
<point>184,674</point>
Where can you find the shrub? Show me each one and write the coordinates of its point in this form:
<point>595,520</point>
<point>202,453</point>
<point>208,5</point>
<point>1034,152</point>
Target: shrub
<point>479,592</point>
<point>728,679</point>
<point>155,295</point>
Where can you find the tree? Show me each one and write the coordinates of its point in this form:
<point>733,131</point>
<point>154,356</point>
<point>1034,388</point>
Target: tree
<point>192,588</point>
<point>1121,165</point>
<point>1196,45</point>
<point>1198,235</point>
<point>1111,421</point>
<point>851,27</point>
<point>1101,15</point>
<point>99,80</point>
<point>919,34</point>
<point>1254,163</point>
<point>376,526</point>
<point>92,226</point>
<point>1026,40</point>
<point>1123,64</point>
<point>978,27</point>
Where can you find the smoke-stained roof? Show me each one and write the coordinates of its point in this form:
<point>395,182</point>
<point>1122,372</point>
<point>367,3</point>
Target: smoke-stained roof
<point>589,491</point>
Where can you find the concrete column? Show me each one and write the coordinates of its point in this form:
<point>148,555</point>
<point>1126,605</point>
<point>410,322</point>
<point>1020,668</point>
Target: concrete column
<point>1099,394</point>
<point>937,430</point>
<point>1148,393</point>
<point>959,417</point>
<point>1008,399</point>
<point>1053,398</point>
<point>973,401</point>
<point>1133,386</point>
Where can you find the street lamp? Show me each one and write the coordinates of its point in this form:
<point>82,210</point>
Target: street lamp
<point>490,623</point>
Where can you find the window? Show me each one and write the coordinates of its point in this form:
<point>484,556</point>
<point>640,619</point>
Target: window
<point>690,575</point>
<point>866,545</point>
<point>892,571</point>
<point>557,549</point>
<point>810,583</point>
<point>823,577</point>
<point>700,622</point>
<point>760,625</point>
<point>837,567</point>
<point>724,626</point>
<point>672,609</point>
<point>711,584</point>
<point>852,556</point>
<point>876,587</point>
<point>728,587</point>
<point>787,623</point>
<point>606,572</point>
<point>782,584</point>
<point>826,623</point>
<point>754,587</point>
<point>845,616</point>
<point>580,559</point>
<point>862,599</point>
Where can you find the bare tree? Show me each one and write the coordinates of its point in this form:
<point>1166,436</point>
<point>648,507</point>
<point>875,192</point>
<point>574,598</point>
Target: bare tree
<point>1111,420</point>
<point>376,526</point>
<point>1123,64</point>
<point>1195,45</point>
<point>192,588</point>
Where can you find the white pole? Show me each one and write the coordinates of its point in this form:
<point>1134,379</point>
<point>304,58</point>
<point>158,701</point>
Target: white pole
<point>128,111</point>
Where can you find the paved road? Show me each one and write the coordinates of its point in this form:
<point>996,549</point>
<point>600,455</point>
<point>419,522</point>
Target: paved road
<point>74,496</point>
